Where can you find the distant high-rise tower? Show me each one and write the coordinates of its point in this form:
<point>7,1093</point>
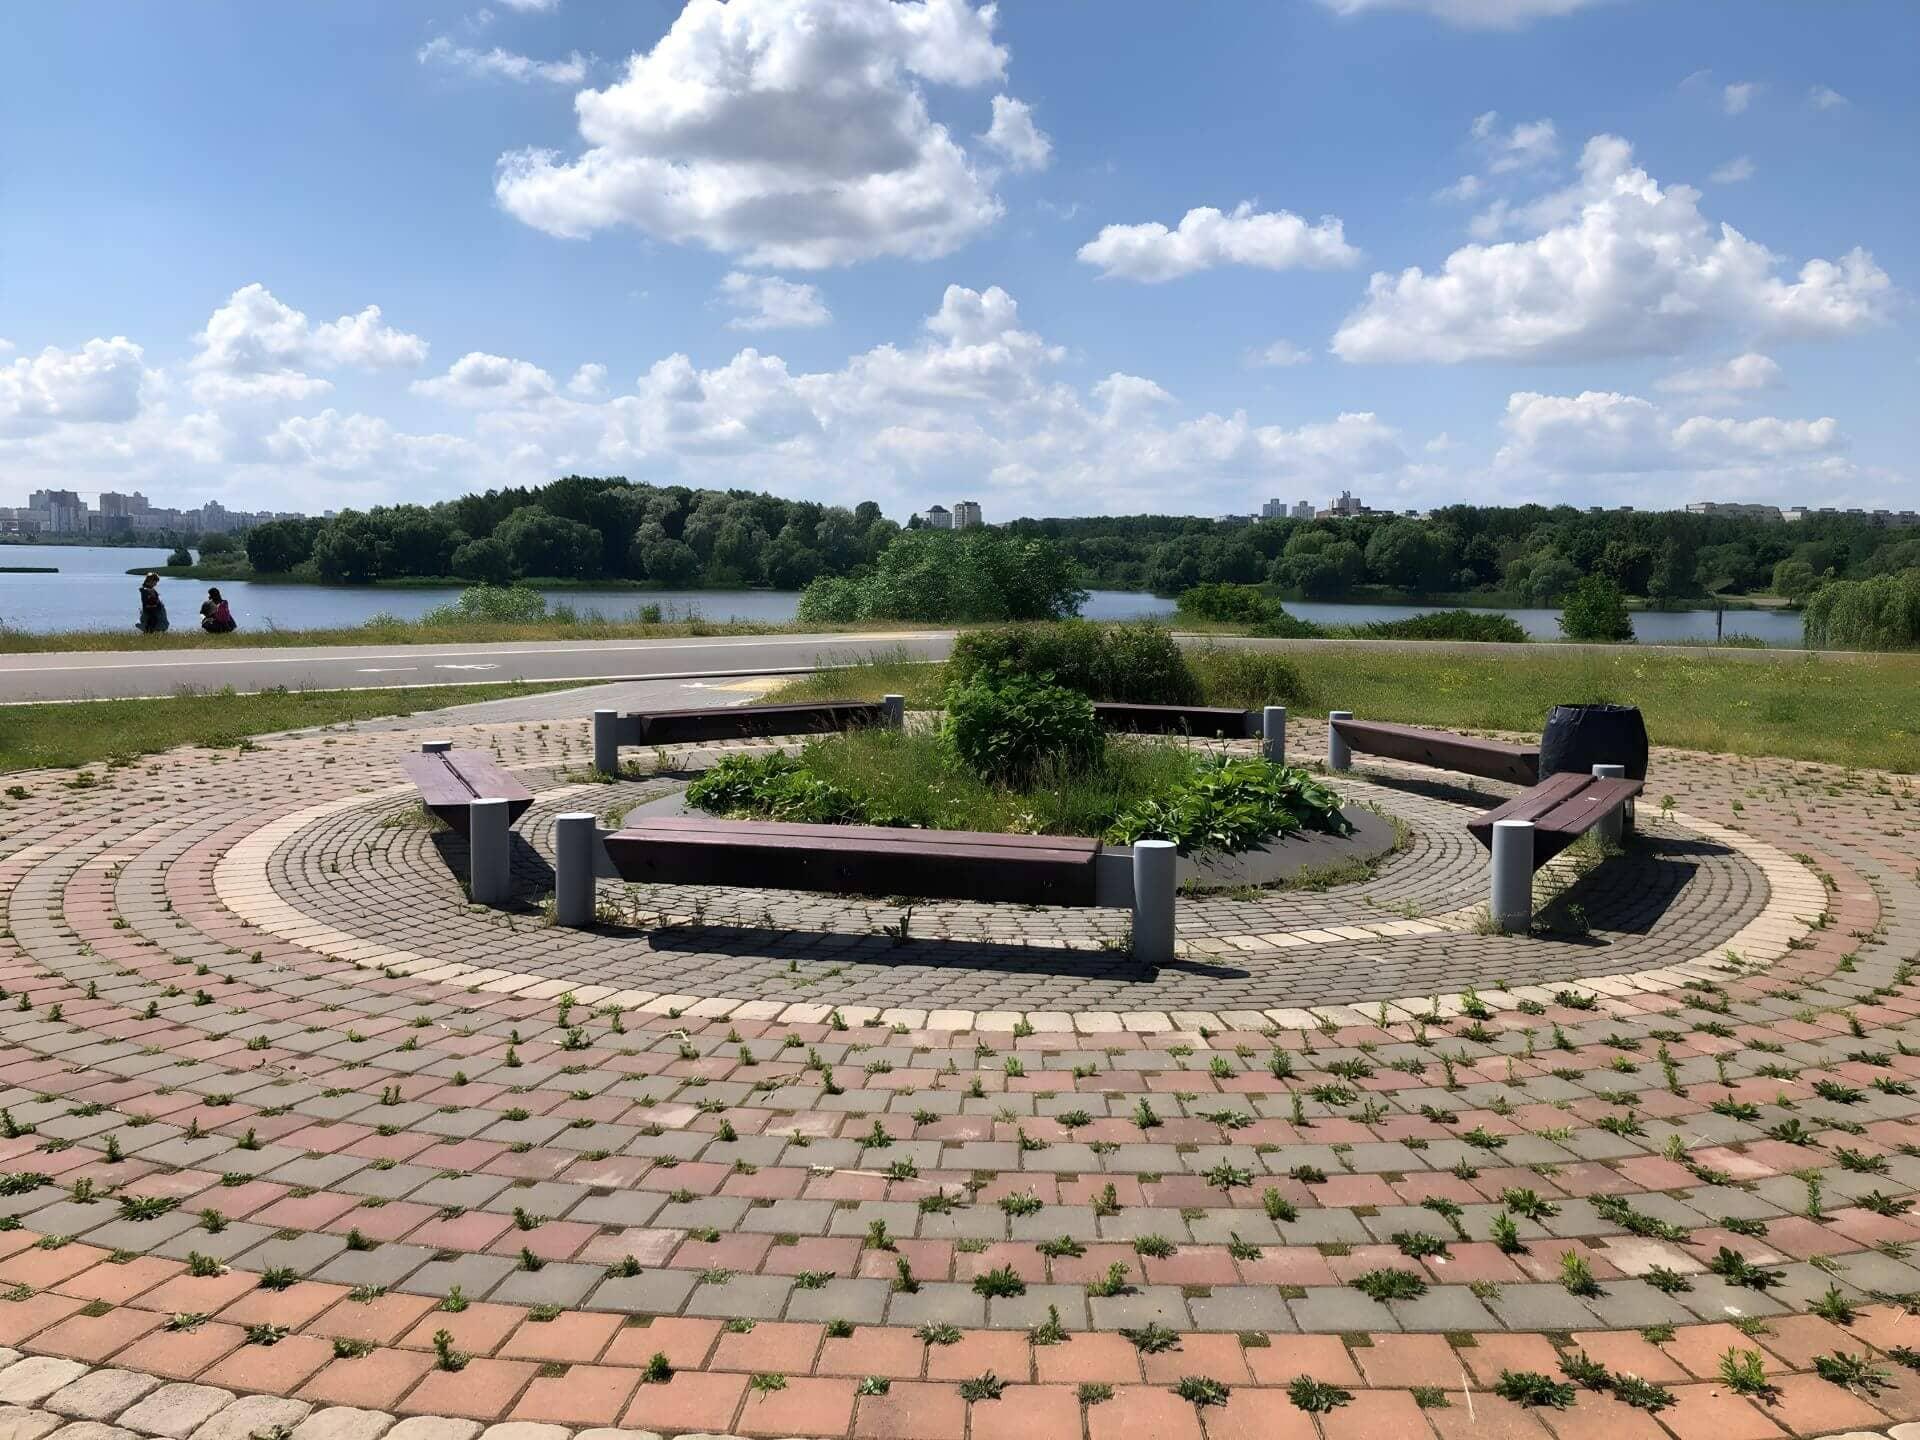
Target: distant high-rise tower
<point>966,514</point>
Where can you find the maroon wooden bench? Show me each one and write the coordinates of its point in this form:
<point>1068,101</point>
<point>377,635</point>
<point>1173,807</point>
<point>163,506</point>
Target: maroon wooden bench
<point>740,722</point>
<point>1442,749</point>
<point>449,780</point>
<point>1207,721</point>
<point>1562,808</point>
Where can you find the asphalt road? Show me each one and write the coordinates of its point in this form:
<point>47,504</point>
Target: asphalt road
<point>93,675</point>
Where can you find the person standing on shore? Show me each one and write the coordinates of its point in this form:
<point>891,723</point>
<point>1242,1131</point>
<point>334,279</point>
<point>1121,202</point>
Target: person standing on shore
<point>153,610</point>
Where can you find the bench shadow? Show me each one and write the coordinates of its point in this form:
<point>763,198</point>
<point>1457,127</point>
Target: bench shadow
<point>989,956</point>
<point>532,872</point>
<point>1631,894</point>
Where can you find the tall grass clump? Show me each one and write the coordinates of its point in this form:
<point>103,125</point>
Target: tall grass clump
<point>1882,613</point>
<point>1482,625</point>
<point>490,605</point>
<point>1247,605</point>
<point>1138,662</point>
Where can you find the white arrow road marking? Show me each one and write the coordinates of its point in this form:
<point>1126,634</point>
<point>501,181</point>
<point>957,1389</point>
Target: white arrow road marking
<point>466,667</point>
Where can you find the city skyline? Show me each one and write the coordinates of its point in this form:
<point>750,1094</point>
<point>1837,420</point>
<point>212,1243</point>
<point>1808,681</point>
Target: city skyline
<point>1067,267</point>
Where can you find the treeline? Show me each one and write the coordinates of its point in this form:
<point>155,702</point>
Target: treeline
<point>582,529</point>
<point>1525,554</point>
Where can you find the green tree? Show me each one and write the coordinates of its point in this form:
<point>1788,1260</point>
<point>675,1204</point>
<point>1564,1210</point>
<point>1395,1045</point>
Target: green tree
<point>542,544</point>
<point>485,560</point>
<point>1794,580</point>
<point>1596,611</point>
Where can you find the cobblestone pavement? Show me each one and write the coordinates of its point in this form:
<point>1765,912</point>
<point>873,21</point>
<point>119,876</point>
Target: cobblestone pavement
<point>296,1144</point>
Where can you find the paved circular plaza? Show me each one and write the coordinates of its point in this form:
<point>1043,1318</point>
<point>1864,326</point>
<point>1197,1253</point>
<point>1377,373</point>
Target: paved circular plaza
<point>297,1143</point>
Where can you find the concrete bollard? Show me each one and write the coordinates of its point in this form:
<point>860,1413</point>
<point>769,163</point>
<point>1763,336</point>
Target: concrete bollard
<point>575,835</point>
<point>1614,825</point>
<point>489,863</point>
<point>894,709</point>
<point>1339,757</point>
<point>1153,889</point>
<point>606,741</point>
<point>1273,733</point>
<point>435,747</point>
<point>1512,900</point>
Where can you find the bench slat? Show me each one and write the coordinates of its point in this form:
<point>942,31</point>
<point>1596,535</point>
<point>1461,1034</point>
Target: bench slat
<point>1562,807</point>
<point>738,722</point>
<point>1443,750</point>
<point>867,860</point>
<point>450,780</point>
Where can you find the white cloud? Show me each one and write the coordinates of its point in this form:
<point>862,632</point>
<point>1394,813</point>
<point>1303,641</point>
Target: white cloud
<point>1734,171</point>
<point>1607,433</point>
<point>1823,97</point>
<point>6,347</point>
<point>767,302</point>
<point>1469,14</point>
<point>1623,267</point>
<point>488,381</point>
<point>1736,98</point>
<point>1282,353</point>
<point>1727,381</point>
<point>498,64</point>
<point>1521,147</point>
<point>786,132</point>
<point>255,347</point>
<point>1015,136</point>
<point>101,383</point>
<point>589,382</point>
<point>331,441</point>
<point>1467,187</point>
<point>532,7</point>
<point>1267,240</point>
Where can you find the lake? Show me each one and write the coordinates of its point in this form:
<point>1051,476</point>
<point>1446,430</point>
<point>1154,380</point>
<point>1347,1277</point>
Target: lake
<point>94,592</point>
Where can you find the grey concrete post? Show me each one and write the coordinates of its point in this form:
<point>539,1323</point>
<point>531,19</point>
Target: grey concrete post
<point>435,747</point>
<point>606,741</point>
<point>489,869</point>
<point>574,836</point>
<point>1273,733</point>
<point>1153,887</point>
<point>1512,900</point>
<point>894,708</point>
<point>1614,825</point>
<point>1339,757</point>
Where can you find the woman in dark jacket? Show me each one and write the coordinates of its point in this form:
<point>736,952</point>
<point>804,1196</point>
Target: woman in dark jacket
<point>153,610</point>
<point>216,618</point>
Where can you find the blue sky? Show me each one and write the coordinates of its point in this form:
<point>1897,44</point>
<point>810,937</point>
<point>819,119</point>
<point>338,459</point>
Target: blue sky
<point>853,248</point>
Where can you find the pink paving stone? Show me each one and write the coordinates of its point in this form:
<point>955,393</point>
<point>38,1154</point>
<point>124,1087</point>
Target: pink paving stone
<point>1709,1412</point>
<point>1192,1266</point>
<point>181,1354</point>
<point>375,1381</point>
<point>911,1410</point>
<point>1088,1356</point>
<point>730,1252</point>
<point>1287,1265</point>
<point>296,1306</point>
<point>1024,1260</point>
<point>42,1268</point>
<point>1218,1356</point>
<point>1376,1415</point>
<point>1403,1361</point>
<point>1492,1353</point>
<point>1082,1269</point>
<point>1796,1339</point>
<point>271,1369</point>
<point>771,1346</point>
<point>1027,1412</point>
<point>1286,1357</point>
<point>822,1255</point>
<point>311,1212</point>
<point>484,1390</point>
<point>479,1329</point>
<point>1346,1191</point>
<point>1601,1417</point>
<point>877,1350</point>
<point>573,1338</point>
<point>1005,1352</point>
<point>587,1395</point>
<point>118,1284</point>
<point>1490,1418</point>
<point>685,1343</point>
<point>474,1230</point>
<point>1627,1353</point>
<point>381,1320</point>
<point>1808,1405</point>
<point>1139,1413</point>
<point>802,1407</point>
<point>554,1240</point>
<point>1251,1414</point>
<point>1474,1260</point>
<point>93,1338</point>
<point>652,1248</point>
<point>200,1294</point>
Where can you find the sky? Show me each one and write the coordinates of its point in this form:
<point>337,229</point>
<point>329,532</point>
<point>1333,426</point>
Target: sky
<point>1059,256</point>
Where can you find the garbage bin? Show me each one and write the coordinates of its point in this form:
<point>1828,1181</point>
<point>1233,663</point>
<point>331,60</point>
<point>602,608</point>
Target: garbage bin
<point>1579,737</point>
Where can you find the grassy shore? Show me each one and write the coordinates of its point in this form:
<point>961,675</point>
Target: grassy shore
<point>586,626</point>
<point>1853,711</point>
<point>35,737</point>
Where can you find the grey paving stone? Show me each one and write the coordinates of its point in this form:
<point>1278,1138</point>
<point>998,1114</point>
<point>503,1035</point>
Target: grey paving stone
<point>938,1304</point>
<point>30,1381</point>
<point>1148,1304</point>
<point>343,1422</point>
<point>555,1283</point>
<point>18,1422</point>
<point>1329,1309</point>
<point>652,1292</point>
<point>100,1394</point>
<point>434,1427</point>
<point>757,1296</point>
<point>1242,1308</point>
<point>177,1411</point>
<point>861,1301</point>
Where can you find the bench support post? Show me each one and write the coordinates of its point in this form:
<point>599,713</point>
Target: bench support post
<point>489,869</point>
<point>1512,900</point>
<point>1613,825</point>
<point>894,708</point>
<point>606,741</point>
<point>1273,733</point>
<point>1339,757</point>
<point>1153,887</point>
<point>435,747</point>
<point>575,836</point>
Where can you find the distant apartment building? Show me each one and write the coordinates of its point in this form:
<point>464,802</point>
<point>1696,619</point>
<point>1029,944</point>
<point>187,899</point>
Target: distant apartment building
<point>1726,509</point>
<point>1882,519</point>
<point>966,514</point>
<point>64,512</point>
<point>1344,508</point>
<point>936,517</point>
<point>1277,509</point>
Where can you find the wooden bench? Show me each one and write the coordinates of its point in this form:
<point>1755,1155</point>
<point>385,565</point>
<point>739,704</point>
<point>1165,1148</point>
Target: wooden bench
<point>451,780</point>
<point>611,729</point>
<point>1442,749</point>
<point>1207,721</point>
<point>1561,808</point>
<point>873,860</point>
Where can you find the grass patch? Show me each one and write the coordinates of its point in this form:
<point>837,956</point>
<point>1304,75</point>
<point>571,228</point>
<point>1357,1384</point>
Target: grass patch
<point>35,737</point>
<point>1852,711</point>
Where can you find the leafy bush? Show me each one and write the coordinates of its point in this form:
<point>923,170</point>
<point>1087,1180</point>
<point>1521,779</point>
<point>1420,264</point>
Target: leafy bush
<point>1247,605</point>
<point>1595,610</point>
<point>1237,676</point>
<point>1233,804</point>
<point>941,577</point>
<point>776,787</point>
<point>1008,729</point>
<point>497,604</point>
<point>1483,625</point>
<point>1882,613</point>
<point>1136,662</point>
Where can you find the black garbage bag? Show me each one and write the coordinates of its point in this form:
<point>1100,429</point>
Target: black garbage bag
<point>1579,737</point>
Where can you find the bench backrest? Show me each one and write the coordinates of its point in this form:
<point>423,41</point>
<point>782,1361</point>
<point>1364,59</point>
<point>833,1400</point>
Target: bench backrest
<point>1207,721</point>
<point>739,722</point>
<point>1444,750</point>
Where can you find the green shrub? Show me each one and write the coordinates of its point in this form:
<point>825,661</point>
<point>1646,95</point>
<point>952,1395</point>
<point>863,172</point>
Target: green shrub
<point>1595,610</point>
<point>499,604</point>
<point>1234,675</point>
<point>1008,729</point>
<point>1882,613</point>
<point>1482,625</point>
<point>1136,662</point>
<point>939,577</point>
<point>1232,805</point>
<point>776,787</point>
<point>1247,605</point>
